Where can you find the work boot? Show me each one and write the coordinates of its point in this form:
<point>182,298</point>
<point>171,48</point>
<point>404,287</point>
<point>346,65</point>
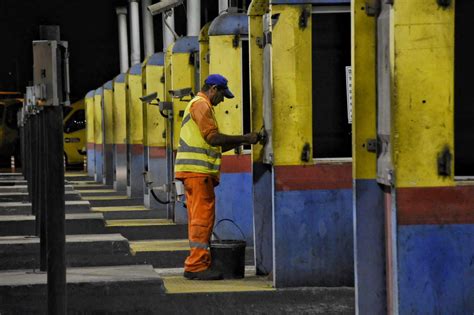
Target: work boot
<point>207,274</point>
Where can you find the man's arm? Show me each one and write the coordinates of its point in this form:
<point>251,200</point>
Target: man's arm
<point>228,142</point>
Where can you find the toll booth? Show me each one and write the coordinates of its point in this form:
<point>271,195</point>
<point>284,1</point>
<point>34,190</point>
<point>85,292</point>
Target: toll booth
<point>120,132</point>
<point>135,160</point>
<point>108,133</point>
<point>413,215</point>
<point>184,71</point>
<point>98,135</point>
<point>154,128</point>
<point>90,125</point>
<point>303,224</point>
<point>229,56</point>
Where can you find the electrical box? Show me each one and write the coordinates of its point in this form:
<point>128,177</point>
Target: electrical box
<point>50,73</point>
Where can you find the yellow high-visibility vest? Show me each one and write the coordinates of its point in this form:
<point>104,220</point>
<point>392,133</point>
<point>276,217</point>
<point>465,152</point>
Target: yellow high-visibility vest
<point>194,153</point>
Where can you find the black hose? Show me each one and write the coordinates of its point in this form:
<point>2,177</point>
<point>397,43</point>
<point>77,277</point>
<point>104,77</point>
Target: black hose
<point>158,199</point>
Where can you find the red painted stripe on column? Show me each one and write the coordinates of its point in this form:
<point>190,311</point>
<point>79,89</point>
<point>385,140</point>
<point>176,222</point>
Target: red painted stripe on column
<point>313,177</point>
<point>157,152</point>
<point>98,148</point>
<point>435,205</point>
<point>137,149</point>
<point>236,163</point>
<point>90,146</point>
<point>121,148</point>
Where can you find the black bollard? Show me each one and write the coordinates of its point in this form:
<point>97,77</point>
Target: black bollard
<point>55,217</point>
<point>43,182</point>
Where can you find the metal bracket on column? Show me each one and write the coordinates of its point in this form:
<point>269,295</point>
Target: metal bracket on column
<point>304,16</point>
<point>372,7</point>
<point>371,145</point>
<point>444,3</point>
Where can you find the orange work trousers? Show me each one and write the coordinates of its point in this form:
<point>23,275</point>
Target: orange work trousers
<point>200,199</point>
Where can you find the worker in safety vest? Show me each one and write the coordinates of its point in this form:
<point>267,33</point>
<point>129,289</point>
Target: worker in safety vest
<point>197,164</point>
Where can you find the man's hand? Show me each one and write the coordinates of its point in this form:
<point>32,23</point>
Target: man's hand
<point>251,138</point>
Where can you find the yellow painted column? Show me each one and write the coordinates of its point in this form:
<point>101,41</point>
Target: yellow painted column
<point>135,132</point>
<point>261,174</point>
<point>120,132</point>
<point>204,54</point>
<point>108,127</point>
<point>256,10</point>
<point>227,61</point>
<point>89,100</point>
<point>98,135</point>
<point>292,96</point>
<point>364,118</point>
<point>423,92</point>
<point>369,217</point>
<point>154,125</point>
<point>183,76</point>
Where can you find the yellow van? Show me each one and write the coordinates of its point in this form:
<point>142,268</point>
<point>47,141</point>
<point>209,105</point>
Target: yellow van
<point>74,133</point>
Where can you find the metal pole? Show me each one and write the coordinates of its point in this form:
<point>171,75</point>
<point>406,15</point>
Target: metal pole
<point>170,163</point>
<point>56,240</point>
<point>168,36</point>
<point>148,34</point>
<point>34,170</point>
<point>42,202</point>
<point>123,38</point>
<point>135,32</point>
<point>223,6</point>
<point>193,11</point>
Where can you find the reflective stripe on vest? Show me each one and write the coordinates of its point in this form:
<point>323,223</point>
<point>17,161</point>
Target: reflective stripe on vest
<point>194,153</point>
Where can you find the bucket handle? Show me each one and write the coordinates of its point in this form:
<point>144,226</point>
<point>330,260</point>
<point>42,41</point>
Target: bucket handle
<point>231,221</point>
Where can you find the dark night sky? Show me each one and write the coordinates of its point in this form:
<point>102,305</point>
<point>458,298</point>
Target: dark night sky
<point>90,27</point>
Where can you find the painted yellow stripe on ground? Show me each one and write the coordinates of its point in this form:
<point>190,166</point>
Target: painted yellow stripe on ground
<point>98,191</point>
<point>138,222</point>
<point>119,208</point>
<point>90,185</point>
<point>72,174</point>
<point>92,198</point>
<point>178,284</point>
<point>158,245</point>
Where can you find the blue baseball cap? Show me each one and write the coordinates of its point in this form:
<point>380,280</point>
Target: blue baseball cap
<point>221,82</point>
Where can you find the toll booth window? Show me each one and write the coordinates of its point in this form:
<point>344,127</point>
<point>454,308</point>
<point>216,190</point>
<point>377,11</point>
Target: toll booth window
<point>246,89</point>
<point>11,119</point>
<point>463,96</point>
<point>331,54</point>
<point>76,122</point>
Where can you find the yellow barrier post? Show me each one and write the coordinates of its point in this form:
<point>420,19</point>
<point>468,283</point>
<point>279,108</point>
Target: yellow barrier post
<point>98,135</point>
<point>369,233</point>
<point>229,56</point>
<point>262,176</point>
<point>107,113</point>
<point>120,132</point>
<point>154,127</point>
<point>135,183</point>
<point>90,125</point>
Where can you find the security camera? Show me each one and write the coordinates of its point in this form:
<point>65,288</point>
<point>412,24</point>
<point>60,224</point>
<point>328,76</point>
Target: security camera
<point>163,6</point>
<point>181,92</point>
<point>149,98</point>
